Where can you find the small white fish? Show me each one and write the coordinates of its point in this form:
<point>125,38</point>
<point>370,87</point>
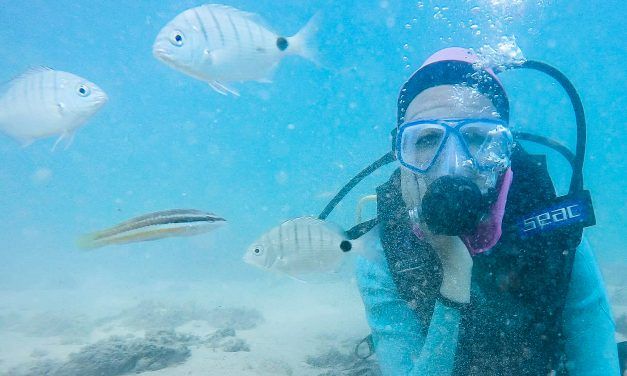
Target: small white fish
<point>220,44</point>
<point>43,102</point>
<point>305,246</point>
<point>158,225</point>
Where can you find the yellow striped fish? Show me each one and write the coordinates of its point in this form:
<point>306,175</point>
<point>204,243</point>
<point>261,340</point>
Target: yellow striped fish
<point>153,226</point>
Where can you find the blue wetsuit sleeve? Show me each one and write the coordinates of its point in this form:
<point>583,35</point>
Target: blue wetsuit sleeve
<point>396,329</point>
<point>588,324</point>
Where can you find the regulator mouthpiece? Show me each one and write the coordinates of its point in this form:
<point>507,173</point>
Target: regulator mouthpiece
<point>452,206</point>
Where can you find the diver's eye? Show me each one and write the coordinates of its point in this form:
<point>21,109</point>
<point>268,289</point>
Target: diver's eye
<point>83,90</point>
<point>257,251</point>
<point>428,142</point>
<point>177,38</point>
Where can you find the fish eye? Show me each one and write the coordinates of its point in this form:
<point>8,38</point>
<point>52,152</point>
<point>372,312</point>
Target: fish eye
<point>258,251</point>
<point>83,90</point>
<point>177,38</point>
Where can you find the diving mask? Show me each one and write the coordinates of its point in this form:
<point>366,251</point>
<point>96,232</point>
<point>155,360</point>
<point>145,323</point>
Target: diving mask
<point>481,144</point>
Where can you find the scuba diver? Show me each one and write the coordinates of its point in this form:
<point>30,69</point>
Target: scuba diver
<point>482,269</point>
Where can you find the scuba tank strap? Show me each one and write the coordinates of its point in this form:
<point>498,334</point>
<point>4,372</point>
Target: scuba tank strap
<point>357,231</point>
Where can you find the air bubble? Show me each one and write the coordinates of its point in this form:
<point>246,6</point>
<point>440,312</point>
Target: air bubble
<point>406,46</point>
<point>408,26</point>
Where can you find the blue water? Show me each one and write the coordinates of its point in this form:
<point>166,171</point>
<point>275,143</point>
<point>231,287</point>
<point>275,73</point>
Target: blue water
<point>280,150</point>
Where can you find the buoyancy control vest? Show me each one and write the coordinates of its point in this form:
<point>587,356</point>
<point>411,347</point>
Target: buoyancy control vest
<point>513,324</point>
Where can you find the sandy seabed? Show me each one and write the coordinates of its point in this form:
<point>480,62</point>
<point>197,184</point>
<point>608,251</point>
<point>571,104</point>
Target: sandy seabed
<point>276,326</point>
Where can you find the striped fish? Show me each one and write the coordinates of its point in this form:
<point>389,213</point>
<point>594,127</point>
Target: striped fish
<point>305,246</point>
<point>220,44</point>
<point>43,102</point>
<point>158,225</point>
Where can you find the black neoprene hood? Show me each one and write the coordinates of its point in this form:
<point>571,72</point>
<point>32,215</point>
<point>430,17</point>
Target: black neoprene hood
<point>453,72</point>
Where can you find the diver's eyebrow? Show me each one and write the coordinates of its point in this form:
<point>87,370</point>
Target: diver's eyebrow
<point>430,131</point>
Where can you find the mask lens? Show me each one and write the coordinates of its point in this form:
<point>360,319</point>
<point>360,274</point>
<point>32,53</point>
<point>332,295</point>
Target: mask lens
<point>488,143</point>
<point>420,144</point>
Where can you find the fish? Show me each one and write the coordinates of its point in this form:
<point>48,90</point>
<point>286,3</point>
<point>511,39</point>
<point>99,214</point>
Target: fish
<point>305,246</point>
<point>43,102</point>
<point>219,44</point>
<point>153,226</point>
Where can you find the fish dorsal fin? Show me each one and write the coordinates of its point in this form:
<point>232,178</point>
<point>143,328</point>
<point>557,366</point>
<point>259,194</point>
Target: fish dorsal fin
<point>227,9</point>
<point>32,71</point>
<point>167,214</point>
<point>314,221</point>
<point>37,69</point>
<point>308,220</point>
<point>23,76</point>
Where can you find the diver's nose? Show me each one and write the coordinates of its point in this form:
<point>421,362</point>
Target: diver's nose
<point>453,159</point>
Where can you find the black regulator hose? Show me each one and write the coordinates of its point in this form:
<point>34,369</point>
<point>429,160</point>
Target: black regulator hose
<point>576,181</point>
<point>386,159</point>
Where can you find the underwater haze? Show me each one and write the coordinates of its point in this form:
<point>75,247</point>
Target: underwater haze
<point>280,150</point>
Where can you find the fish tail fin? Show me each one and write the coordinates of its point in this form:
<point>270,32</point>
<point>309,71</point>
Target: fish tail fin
<point>303,43</point>
<point>89,241</point>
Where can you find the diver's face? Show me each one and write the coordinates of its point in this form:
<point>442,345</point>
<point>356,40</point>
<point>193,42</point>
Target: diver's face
<point>453,102</point>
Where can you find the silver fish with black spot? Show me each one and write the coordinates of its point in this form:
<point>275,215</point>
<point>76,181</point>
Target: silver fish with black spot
<point>220,44</point>
<point>305,246</point>
<point>153,226</point>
